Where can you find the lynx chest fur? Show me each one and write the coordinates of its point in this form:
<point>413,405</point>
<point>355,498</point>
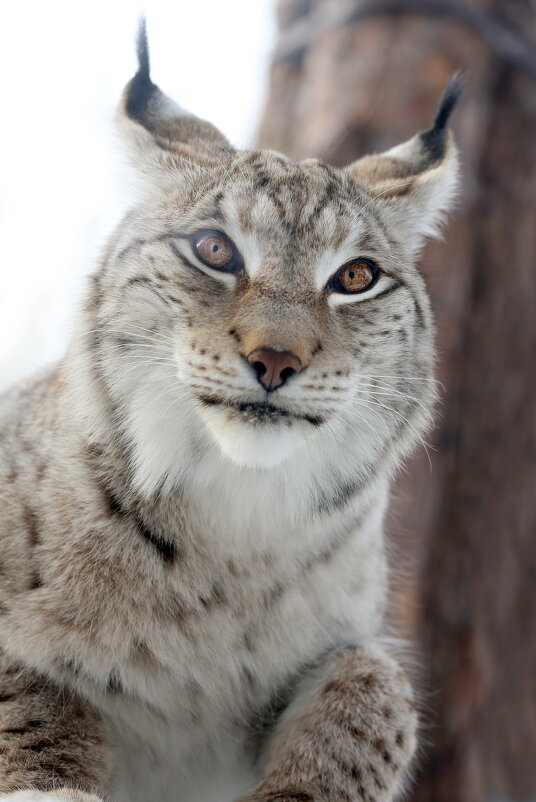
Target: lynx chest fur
<point>187,620</point>
<point>193,578</point>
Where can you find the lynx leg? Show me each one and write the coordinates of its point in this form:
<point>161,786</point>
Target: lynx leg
<point>348,735</point>
<point>51,743</point>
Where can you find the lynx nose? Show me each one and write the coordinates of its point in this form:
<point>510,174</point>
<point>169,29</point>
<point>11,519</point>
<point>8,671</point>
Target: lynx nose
<point>273,367</point>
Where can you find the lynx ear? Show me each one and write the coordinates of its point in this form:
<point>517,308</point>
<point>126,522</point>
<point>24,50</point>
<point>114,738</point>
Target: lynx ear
<point>417,180</point>
<point>162,138</point>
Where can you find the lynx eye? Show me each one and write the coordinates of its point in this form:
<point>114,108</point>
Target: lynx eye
<point>217,251</point>
<point>354,277</point>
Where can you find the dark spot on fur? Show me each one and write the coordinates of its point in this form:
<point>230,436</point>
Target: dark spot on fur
<point>332,685</point>
<point>379,745</point>
<point>235,334</point>
<point>35,581</point>
<point>141,648</point>
<point>30,519</point>
<point>358,734</point>
<point>114,684</point>
<point>68,665</point>
<point>216,597</point>
<point>313,420</point>
<point>419,315</point>
<point>368,681</point>
<point>112,502</point>
<point>95,450</point>
<point>37,747</point>
<point>12,670</point>
<point>338,498</point>
<point>166,549</point>
<point>210,401</point>
<point>399,738</point>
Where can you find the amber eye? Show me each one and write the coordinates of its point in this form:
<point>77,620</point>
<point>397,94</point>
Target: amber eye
<point>355,277</point>
<point>217,251</point>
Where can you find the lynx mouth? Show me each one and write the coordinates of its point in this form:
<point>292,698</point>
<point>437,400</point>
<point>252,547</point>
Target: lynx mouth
<point>260,412</point>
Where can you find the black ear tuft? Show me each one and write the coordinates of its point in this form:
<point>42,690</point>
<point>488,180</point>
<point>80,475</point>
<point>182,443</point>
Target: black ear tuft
<point>142,49</point>
<point>449,99</point>
<point>434,139</point>
<point>140,88</point>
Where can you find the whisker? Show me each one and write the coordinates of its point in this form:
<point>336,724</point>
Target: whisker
<point>405,378</point>
<point>392,411</point>
<point>371,390</point>
<point>149,336</point>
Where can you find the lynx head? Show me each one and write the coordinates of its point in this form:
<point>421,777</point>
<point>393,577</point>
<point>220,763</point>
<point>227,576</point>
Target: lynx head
<point>268,303</point>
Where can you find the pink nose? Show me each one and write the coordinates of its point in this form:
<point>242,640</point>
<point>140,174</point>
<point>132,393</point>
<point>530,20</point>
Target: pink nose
<point>273,367</point>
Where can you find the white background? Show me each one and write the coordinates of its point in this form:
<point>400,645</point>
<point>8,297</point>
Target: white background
<point>62,69</point>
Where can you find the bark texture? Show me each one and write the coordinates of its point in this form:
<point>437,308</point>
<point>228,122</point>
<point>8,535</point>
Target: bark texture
<point>469,526</point>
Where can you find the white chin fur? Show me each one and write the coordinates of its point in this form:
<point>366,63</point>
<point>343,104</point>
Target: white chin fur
<point>253,445</point>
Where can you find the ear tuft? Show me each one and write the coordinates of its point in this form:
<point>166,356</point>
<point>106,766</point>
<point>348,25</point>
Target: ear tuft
<point>417,180</point>
<point>142,49</point>
<point>141,88</point>
<point>434,140</point>
<point>164,140</point>
<point>394,172</point>
<point>449,99</point>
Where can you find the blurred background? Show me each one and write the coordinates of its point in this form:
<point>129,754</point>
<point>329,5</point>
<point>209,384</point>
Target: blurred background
<point>337,79</point>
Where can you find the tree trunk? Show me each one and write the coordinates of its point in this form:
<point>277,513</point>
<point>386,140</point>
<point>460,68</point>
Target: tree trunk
<point>341,89</point>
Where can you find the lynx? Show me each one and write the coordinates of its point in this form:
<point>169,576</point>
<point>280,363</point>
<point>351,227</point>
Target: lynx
<point>193,575</point>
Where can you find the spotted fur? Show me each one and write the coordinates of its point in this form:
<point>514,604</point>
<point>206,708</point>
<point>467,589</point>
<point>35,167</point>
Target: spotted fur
<point>193,576</point>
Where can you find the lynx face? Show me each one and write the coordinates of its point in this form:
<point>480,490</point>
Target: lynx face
<point>275,303</point>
